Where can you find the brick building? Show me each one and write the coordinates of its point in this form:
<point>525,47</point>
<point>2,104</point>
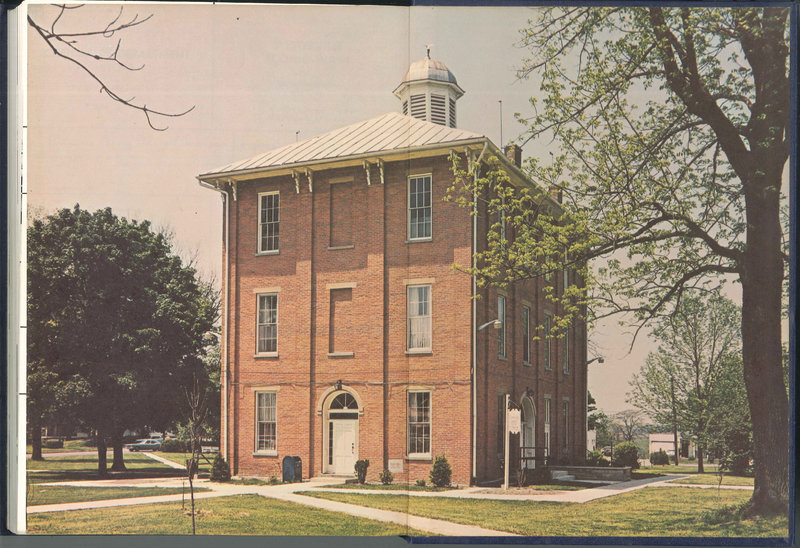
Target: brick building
<point>347,334</point>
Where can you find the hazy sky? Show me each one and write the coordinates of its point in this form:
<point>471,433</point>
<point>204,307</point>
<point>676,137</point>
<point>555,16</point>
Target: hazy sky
<point>256,75</point>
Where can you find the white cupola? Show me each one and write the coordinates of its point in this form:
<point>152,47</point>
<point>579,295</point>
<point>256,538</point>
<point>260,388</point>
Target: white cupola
<point>429,92</point>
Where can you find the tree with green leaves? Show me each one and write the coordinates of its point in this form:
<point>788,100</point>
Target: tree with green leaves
<point>116,320</point>
<point>678,384</point>
<point>672,128</point>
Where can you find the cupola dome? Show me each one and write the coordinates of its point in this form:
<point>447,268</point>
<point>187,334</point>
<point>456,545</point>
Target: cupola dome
<point>429,92</point>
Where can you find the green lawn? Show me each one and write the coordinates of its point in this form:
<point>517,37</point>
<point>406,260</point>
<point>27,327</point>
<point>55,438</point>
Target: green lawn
<point>180,458</point>
<point>713,479</point>
<point>390,487</point>
<point>69,446</point>
<point>644,512</point>
<point>56,494</point>
<point>84,467</point>
<point>672,469</point>
<point>235,515</point>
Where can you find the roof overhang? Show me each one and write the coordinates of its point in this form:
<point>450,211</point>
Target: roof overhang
<point>517,176</point>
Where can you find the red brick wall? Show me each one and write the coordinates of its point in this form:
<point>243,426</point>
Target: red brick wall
<point>377,267</point>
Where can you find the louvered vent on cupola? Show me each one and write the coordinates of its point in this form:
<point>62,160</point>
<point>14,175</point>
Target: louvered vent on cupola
<point>418,106</point>
<point>405,108</point>
<point>438,112</point>
<point>452,113</point>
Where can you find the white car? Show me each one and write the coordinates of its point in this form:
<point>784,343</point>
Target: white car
<point>144,445</point>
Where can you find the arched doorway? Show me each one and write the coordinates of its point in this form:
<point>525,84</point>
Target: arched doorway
<point>341,434</point>
<point>528,440</point>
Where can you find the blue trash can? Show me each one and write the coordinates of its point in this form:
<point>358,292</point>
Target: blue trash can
<point>292,469</point>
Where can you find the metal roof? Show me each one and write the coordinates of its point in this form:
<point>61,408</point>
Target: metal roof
<point>391,132</point>
<point>429,69</point>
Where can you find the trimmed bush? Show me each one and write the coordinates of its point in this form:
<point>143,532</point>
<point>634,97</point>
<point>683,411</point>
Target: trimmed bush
<point>52,444</point>
<point>626,454</point>
<point>361,470</point>
<point>596,458</point>
<point>441,472</point>
<point>659,458</point>
<point>171,445</point>
<point>420,483</point>
<point>386,477</point>
<point>220,471</point>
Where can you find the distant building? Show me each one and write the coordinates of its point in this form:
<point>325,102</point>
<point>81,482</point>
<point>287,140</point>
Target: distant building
<point>666,443</point>
<point>348,335</point>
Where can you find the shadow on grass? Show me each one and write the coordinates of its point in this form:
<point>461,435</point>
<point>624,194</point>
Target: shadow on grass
<point>47,476</point>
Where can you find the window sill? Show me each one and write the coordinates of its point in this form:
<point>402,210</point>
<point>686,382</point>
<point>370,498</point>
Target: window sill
<point>527,364</point>
<point>340,354</point>
<point>266,355</point>
<point>418,352</point>
<point>265,453</point>
<point>274,252</point>
<point>338,247</point>
<point>419,457</point>
<point>418,240</point>
<point>502,358</point>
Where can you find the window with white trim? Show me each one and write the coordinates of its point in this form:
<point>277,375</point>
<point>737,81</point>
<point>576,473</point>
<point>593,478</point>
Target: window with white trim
<point>565,357</point>
<point>269,216</point>
<point>501,425</point>
<point>501,333</point>
<point>547,342</point>
<point>547,427</point>
<point>419,317</point>
<point>419,207</point>
<point>266,422</point>
<point>565,428</point>
<point>419,424</point>
<point>267,324</point>
<point>526,334</point>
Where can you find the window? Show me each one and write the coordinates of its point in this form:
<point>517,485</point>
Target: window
<point>565,429</point>
<point>267,329</point>
<point>266,422</point>
<point>501,333</point>
<point>341,214</point>
<point>269,221</point>
<point>419,207</point>
<point>419,424</point>
<point>547,342</point>
<point>501,218</point>
<point>339,337</point>
<point>526,334</point>
<point>565,347</point>
<point>501,426</point>
<point>419,317</point>
<point>547,427</point>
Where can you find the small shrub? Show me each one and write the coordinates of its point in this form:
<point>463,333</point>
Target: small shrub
<point>626,454</point>
<point>539,476</point>
<point>361,470</point>
<point>386,477</point>
<point>596,458</point>
<point>659,458</point>
<point>220,471</point>
<point>172,445</point>
<point>420,483</point>
<point>441,472</point>
<point>52,444</point>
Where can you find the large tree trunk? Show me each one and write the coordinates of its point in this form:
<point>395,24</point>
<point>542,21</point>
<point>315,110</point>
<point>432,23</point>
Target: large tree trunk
<point>36,438</point>
<point>102,465</point>
<point>762,277</point>
<point>119,461</point>
<point>700,468</point>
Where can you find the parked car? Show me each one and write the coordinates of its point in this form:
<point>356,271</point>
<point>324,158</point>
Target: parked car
<point>144,445</point>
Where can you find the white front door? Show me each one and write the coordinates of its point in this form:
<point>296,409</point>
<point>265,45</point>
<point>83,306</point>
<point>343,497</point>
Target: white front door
<point>345,446</point>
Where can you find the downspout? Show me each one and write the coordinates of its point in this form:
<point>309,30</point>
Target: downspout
<point>476,167</point>
<point>226,314</point>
